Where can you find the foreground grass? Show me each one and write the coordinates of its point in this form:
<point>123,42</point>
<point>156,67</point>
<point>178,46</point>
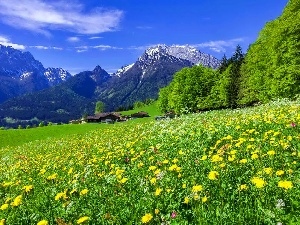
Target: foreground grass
<point>223,167</point>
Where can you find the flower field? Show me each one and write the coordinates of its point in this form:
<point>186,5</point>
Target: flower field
<point>221,167</point>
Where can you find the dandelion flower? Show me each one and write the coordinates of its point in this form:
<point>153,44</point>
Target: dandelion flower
<point>2,222</point>
<point>254,156</point>
<point>43,222</point>
<point>82,219</point>
<point>258,182</point>
<point>186,200</point>
<point>271,152</point>
<point>84,191</point>
<point>28,188</point>
<point>268,170</point>
<point>123,181</point>
<point>158,191</point>
<point>243,161</point>
<point>17,201</point>
<point>243,187</point>
<point>156,211</point>
<point>285,184</point>
<point>153,180</point>
<point>147,218</point>
<point>4,206</point>
<point>279,172</point>
<point>213,175</point>
<point>204,199</point>
<point>197,188</point>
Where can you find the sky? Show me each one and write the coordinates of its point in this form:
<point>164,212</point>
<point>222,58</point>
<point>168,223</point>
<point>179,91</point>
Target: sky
<point>78,35</point>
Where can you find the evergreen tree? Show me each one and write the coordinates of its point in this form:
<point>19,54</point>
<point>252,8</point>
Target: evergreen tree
<point>99,107</point>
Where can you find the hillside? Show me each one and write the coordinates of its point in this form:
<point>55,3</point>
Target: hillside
<point>189,170</point>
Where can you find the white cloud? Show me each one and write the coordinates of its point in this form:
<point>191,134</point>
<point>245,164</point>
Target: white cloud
<point>6,42</point>
<point>40,47</point>
<point>99,47</point>
<point>73,39</point>
<point>92,38</point>
<point>41,16</point>
<point>221,45</point>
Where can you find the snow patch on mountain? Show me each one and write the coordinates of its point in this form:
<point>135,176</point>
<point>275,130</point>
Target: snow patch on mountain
<point>123,70</point>
<point>56,75</point>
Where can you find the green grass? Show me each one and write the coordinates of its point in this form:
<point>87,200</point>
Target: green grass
<point>15,137</point>
<point>219,167</point>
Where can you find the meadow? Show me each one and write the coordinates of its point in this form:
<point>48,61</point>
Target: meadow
<point>220,167</point>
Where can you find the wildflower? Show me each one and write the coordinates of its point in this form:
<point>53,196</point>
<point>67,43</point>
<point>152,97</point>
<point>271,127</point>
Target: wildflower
<point>279,172</point>
<point>184,186</point>
<point>196,197</point>
<point>61,195</point>
<point>158,191</point>
<point>82,219</point>
<point>52,177</point>
<point>43,222</point>
<point>285,184</point>
<point>147,218</point>
<point>140,165</point>
<point>222,165</point>
<point>42,171</point>
<point>271,152</point>
<point>293,124</point>
<point>4,206</point>
<point>231,158</point>
<point>165,161</point>
<point>84,191</point>
<point>243,187</point>
<point>17,201</point>
<point>152,167</point>
<point>180,152</point>
<point>204,199</point>
<point>173,167</point>
<point>2,222</point>
<point>243,161</point>
<point>186,200</point>
<point>173,215</point>
<point>213,175</point>
<point>268,170</point>
<point>123,180</point>
<point>216,158</point>
<point>175,160</point>
<point>254,156</point>
<point>204,157</point>
<point>197,188</point>
<point>258,182</point>
<point>28,188</point>
<point>156,211</point>
<point>153,180</point>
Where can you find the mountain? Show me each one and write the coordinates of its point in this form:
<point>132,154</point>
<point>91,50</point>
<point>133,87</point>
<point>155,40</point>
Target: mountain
<point>139,81</point>
<point>20,73</point>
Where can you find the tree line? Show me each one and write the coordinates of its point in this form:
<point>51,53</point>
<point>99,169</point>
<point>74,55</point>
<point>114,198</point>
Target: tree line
<point>269,70</point>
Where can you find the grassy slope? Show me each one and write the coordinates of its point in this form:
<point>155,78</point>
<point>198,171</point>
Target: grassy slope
<point>221,167</point>
<point>19,137</point>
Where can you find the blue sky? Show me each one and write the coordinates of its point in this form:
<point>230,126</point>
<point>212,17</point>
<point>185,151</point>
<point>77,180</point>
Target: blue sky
<point>77,35</point>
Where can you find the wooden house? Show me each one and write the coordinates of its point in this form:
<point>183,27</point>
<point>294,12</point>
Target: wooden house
<point>104,117</point>
<point>139,115</point>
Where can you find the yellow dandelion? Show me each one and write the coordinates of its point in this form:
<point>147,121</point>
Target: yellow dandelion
<point>285,184</point>
<point>268,170</point>
<point>43,222</point>
<point>156,211</point>
<point>231,158</point>
<point>204,157</point>
<point>213,175</point>
<point>17,201</point>
<point>165,161</point>
<point>158,191</point>
<point>243,187</point>
<point>84,191</point>
<point>28,188</point>
<point>204,199</point>
<point>216,158</point>
<point>152,167</point>
<point>271,153</point>
<point>153,180</point>
<point>82,219</point>
<point>197,188</point>
<point>4,206</point>
<point>2,222</point>
<point>60,195</point>
<point>254,156</point>
<point>147,218</point>
<point>52,177</point>
<point>123,180</point>
<point>140,165</point>
<point>184,186</point>
<point>279,172</point>
<point>186,200</point>
<point>243,161</point>
<point>258,182</point>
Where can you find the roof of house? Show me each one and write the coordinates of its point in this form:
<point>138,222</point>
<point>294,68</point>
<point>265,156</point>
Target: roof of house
<point>103,115</point>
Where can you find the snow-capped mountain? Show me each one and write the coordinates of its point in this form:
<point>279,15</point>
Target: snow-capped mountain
<point>21,73</point>
<point>173,53</point>
<point>56,75</point>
